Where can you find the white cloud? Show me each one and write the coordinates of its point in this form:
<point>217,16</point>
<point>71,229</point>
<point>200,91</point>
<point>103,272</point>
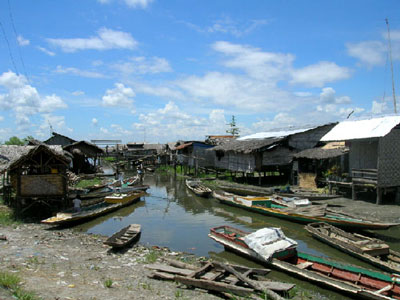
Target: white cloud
<point>131,3</point>
<point>104,130</point>
<point>142,65</point>
<point>22,41</point>
<point>24,100</point>
<point>378,107</point>
<point>57,124</point>
<point>78,93</point>
<point>95,122</point>
<point>1,118</point>
<point>228,26</point>
<point>319,74</point>
<point>105,40</point>
<point>328,95</point>
<point>44,50</point>
<point>78,72</point>
<point>370,53</point>
<point>119,96</point>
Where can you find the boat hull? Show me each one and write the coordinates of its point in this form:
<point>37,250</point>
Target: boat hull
<point>124,237</point>
<point>198,188</point>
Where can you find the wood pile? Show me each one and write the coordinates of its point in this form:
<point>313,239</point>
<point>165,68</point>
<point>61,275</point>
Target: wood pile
<point>225,279</point>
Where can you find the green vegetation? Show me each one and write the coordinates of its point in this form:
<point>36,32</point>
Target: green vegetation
<point>145,286</point>
<point>108,283</point>
<point>7,217</point>
<point>152,256</point>
<point>17,141</point>
<point>84,183</point>
<point>234,130</point>
<point>12,283</point>
<point>110,158</point>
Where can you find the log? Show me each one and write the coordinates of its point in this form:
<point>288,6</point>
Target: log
<point>169,269</point>
<point>179,264</point>
<point>255,285</point>
<point>214,286</point>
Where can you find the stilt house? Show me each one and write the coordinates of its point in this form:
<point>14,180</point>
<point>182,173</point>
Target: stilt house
<point>374,155</point>
<point>85,156</point>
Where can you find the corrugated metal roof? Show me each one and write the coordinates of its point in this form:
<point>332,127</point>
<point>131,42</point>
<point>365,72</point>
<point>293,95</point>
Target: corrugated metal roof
<point>273,134</point>
<point>362,129</point>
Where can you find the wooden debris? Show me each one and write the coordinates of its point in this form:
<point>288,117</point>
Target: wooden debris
<point>219,277</point>
<point>3,237</point>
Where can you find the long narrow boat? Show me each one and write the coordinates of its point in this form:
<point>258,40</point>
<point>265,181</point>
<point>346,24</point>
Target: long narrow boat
<point>124,197</point>
<point>88,212</point>
<point>198,188</point>
<point>349,279</point>
<point>371,250</point>
<point>309,214</point>
<point>124,237</point>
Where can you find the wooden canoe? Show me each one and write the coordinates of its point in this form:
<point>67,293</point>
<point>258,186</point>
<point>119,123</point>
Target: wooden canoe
<point>69,217</point>
<point>309,214</point>
<point>370,250</point>
<point>123,197</point>
<point>124,237</point>
<point>349,279</point>
<point>198,188</point>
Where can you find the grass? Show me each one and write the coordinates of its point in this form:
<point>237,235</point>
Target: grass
<point>12,283</point>
<point>108,283</point>
<point>110,159</point>
<point>84,183</point>
<point>7,217</point>
<point>151,257</point>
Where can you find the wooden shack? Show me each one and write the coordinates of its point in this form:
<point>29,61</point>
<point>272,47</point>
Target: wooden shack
<point>194,154</point>
<point>85,156</point>
<point>312,167</point>
<point>36,174</point>
<point>59,139</point>
<point>374,156</point>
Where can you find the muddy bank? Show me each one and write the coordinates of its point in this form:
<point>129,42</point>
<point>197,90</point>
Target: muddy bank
<point>64,264</point>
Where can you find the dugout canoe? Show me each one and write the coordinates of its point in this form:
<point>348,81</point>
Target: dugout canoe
<point>124,237</point>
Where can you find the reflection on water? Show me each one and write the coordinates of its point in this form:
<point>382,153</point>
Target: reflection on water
<point>172,216</point>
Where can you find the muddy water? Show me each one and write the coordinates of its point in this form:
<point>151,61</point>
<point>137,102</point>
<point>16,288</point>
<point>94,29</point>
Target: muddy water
<point>172,216</point>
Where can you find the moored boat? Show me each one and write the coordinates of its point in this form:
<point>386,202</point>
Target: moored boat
<point>69,217</point>
<point>198,188</point>
<point>308,214</point>
<point>123,197</point>
<point>124,237</point>
<point>353,280</point>
<point>371,250</point>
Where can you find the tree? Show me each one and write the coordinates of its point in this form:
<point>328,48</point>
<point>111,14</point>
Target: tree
<point>233,130</point>
<point>16,141</point>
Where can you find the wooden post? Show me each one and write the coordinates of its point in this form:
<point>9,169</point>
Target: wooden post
<point>353,192</point>
<point>259,178</point>
<point>378,195</point>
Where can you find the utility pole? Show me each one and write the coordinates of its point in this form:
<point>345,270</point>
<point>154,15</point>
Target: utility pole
<point>391,66</point>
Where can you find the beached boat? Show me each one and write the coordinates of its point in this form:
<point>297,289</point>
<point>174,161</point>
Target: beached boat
<point>69,216</point>
<point>198,188</point>
<point>308,214</point>
<point>290,201</point>
<point>371,250</point>
<point>132,180</point>
<point>124,237</point>
<point>353,280</point>
<point>309,195</point>
<point>123,197</point>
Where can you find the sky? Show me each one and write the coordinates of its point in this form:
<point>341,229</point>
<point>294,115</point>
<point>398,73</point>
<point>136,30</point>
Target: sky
<point>160,71</point>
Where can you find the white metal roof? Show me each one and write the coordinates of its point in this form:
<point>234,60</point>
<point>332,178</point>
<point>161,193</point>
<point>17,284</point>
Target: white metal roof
<point>362,129</point>
<point>273,134</point>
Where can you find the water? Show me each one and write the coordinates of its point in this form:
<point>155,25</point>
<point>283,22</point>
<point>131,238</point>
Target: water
<point>172,216</point>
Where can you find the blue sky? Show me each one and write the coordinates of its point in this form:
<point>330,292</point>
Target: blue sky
<point>161,71</point>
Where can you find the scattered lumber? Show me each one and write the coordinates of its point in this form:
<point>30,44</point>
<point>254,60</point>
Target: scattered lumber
<point>221,278</point>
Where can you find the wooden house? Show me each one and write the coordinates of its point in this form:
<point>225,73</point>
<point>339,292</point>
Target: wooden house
<point>311,167</point>
<point>194,154</point>
<point>59,139</point>
<point>85,156</point>
<point>268,151</point>
<point>36,174</point>
<point>374,155</point>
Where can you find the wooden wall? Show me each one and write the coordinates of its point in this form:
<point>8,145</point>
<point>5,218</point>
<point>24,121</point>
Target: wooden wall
<point>277,157</point>
<point>389,159</point>
<point>310,138</point>
<point>237,162</point>
<point>42,185</point>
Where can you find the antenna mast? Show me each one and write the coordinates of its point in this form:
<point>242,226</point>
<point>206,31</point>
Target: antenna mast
<point>391,66</point>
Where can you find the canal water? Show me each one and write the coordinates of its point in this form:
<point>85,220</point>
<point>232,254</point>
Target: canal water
<point>172,216</point>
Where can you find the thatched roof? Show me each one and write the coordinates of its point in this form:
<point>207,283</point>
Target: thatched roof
<point>321,153</point>
<point>11,155</point>
<point>55,135</point>
<point>219,139</point>
<point>248,146</point>
<point>82,147</point>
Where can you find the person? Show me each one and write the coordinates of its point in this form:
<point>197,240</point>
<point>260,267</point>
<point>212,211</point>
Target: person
<point>140,171</point>
<point>77,203</point>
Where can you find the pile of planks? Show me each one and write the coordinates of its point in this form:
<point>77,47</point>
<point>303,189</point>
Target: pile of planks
<point>225,279</point>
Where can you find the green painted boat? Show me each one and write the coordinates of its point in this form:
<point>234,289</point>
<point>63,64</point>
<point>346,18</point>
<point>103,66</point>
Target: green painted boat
<point>309,214</point>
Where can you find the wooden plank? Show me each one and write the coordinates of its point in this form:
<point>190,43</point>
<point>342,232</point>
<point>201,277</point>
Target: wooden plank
<point>179,264</point>
<point>161,275</point>
<point>214,286</point>
<point>169,269</point>
<point>199,272</point>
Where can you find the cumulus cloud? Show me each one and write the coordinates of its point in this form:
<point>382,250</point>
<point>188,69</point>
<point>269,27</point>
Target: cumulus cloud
<point>57,123</point>
<point>22,41</point>
<point>229,26</point>
<point>106,39</point>
<point>78,93</point>
<point>328,95</point>
<point>119,96</point>
<point>378,107</point>
<point>143,65</point>
<point>95,122</point>
<point>319,74</point>
<point>24,100</point>
<point>78,72</point>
